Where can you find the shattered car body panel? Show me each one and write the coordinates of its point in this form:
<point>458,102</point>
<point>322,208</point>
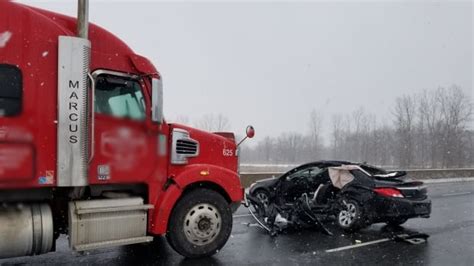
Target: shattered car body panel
<point>354,195</point>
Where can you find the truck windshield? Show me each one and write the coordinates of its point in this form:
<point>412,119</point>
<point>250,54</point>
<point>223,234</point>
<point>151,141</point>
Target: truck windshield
<point>119,97</point>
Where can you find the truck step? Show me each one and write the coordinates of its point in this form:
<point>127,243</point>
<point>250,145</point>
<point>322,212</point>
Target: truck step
<point>113,243</point>
<point>107,222</point>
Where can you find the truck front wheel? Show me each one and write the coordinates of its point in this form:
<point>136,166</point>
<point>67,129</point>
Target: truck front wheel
<point>200,224</point>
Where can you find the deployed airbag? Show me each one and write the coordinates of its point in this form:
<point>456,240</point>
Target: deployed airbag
<point>341,175</point>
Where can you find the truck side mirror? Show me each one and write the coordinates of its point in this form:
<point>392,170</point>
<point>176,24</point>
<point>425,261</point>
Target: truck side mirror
<point>250,132</point>
<point>157,100</point>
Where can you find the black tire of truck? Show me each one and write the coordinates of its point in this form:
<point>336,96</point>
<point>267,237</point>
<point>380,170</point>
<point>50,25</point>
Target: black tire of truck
<point>200,224</point>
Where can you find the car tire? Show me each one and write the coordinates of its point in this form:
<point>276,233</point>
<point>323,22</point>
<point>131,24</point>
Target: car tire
<point>350,217</point>
<point>397,221</point>
<point>263,196</point>
<point>200,224</point>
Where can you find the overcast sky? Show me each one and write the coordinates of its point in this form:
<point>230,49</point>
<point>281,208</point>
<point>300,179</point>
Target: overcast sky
<point>269,64</point>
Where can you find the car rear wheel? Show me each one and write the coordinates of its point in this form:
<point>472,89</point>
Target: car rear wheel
<point>350,216</point>
<point>200,224</point>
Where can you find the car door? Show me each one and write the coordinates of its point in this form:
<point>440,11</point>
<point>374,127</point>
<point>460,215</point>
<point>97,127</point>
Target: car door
<point>297,183</point>
<point>123,149</point>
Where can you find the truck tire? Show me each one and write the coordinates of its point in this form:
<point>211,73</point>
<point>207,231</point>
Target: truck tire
<point>200,224</point>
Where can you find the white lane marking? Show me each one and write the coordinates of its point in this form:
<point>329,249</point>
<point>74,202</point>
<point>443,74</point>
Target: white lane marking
<point>456,194</point>
<point>359,245</point>
<point>242,215</point>
<point>447,180</point>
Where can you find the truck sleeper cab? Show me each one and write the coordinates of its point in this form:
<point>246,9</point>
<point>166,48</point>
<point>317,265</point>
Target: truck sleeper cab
<point>85,151</point>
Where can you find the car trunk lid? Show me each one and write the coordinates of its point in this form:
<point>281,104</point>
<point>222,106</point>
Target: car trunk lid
<point>409,189</point>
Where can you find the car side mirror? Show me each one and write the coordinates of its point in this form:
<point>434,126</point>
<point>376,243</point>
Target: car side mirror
<point>157,100</point>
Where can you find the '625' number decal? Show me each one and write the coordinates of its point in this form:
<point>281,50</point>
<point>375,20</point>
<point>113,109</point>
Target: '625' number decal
<point>227,152</point>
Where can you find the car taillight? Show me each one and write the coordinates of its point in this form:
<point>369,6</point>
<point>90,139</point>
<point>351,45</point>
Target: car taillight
<point>389,192</point>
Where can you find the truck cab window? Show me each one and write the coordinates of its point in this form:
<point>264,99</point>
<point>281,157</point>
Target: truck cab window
<point>119,97</point>
<point>10,90</point>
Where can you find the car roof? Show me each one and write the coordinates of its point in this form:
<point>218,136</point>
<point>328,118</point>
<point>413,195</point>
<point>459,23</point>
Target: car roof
<point>324,163</point>
<point>319,164</point>
<point>332,163</point>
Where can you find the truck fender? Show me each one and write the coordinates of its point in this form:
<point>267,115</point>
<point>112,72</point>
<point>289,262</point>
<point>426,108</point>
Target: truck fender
<point>194,174</point>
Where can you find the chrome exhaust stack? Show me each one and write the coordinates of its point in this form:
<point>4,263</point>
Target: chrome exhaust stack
<point>83,19</point>
<point>75,125</point>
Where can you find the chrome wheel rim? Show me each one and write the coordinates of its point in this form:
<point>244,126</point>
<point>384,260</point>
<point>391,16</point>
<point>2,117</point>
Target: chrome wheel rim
<point>202,224</point>
<point>262,197</point>
<point>347,216</point>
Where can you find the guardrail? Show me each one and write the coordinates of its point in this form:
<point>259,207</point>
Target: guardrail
<point>248,178</point>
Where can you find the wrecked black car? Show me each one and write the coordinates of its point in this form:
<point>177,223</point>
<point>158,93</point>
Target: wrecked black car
<point>353,195</point>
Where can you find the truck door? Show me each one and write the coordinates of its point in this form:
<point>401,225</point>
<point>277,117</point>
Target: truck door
<point>124,151</point>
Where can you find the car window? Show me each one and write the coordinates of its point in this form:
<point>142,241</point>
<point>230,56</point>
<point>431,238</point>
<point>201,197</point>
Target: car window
<point>310,172</point>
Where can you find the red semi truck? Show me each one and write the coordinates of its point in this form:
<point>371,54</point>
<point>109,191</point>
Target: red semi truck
<point>85,150</point>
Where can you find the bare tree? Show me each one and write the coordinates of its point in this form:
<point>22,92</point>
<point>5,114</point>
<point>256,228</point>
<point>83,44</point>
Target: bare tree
<point>213,123</point>
<point>337,136</point>
<point>266,148</point>
<point>357,145</point>
<point>444,118</point>
<point>430,129</point>
<point>289,146</point>
<point>456,112</point>
<point>181,119</point>
<point>404,112</point>
<point>430,120</point>
<point>315,128</point>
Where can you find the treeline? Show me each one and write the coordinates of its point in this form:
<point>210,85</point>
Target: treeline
<point>432,129</point>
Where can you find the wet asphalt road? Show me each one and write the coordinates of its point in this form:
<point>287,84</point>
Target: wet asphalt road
<point>451,242</point>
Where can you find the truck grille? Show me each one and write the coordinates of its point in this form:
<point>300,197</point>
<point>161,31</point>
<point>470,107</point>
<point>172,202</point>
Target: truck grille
<point>183,147</point>
<point>188,147</point>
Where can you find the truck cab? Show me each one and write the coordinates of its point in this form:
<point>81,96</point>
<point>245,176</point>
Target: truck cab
<point>85,150</point>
